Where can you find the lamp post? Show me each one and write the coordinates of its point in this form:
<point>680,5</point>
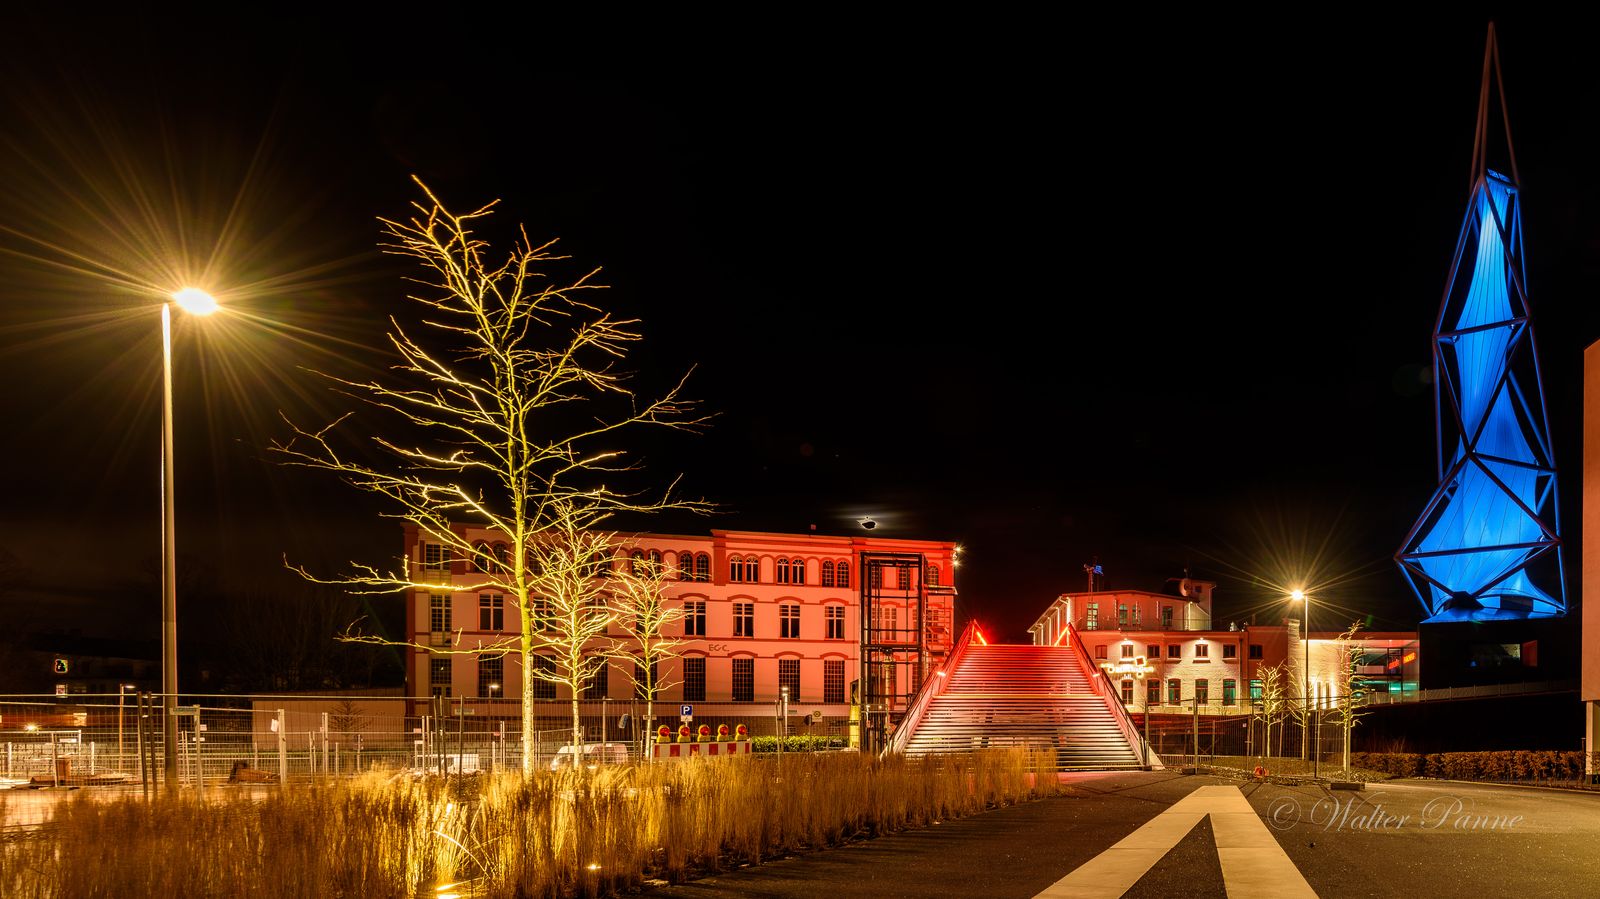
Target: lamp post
<point>122,692</point>
<point>195,302</point>
<point>1305,673</point>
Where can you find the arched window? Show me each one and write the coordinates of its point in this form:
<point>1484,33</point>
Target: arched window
<point>827,573</point>
<point>797,571</point>
<point>482,561</point>
<point>633,562</point>
<point>502,556</point>
<point>735,569</point>
<point>702,567</point>
<point>752,570</point>
<point>685,565</point>
<point>783,571</point>
<point>933,575</point>
<point>842,574</point>
<point>655,559</point>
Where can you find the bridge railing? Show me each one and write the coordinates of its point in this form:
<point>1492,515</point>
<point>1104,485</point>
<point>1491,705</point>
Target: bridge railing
<point>933,686</point>
<point>1113,698</point>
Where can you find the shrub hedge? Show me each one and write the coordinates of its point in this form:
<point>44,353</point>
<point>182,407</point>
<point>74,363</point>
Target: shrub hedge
<point>1504,764</point>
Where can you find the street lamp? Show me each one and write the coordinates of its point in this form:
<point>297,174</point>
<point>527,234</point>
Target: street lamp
<point>122,691</point>
<point>1305,672</point>
<point>195,302</point>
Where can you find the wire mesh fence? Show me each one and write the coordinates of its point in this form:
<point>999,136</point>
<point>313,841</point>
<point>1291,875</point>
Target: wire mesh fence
<point>267,739</point>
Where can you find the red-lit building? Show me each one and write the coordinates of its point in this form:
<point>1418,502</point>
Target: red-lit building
<point>761,611</point>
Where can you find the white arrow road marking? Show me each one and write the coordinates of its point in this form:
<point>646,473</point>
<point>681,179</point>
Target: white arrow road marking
<point>1253,864</point>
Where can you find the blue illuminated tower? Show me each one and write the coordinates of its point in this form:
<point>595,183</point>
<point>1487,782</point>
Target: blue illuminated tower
<point>1487,544</point>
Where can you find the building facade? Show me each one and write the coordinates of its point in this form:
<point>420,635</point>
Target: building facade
<point>762,611</point>
<point>1164,655</point>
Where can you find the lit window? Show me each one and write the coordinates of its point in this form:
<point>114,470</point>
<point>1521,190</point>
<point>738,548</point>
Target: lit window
<point>1255,690</point>
<point>491,612</point>
<point>491,675</point>
<point>834,616</point>
<point>1091,619</point>
<point>1122,616</point>
<point>833,680</point>
<point>1230,691</point>
<point>789,677</point>
<point>439,676</point>
<point>744,679</point>
<point>744,619</point>
<point>439,613</point>
<point>789,621</point>
<point>694,618</point>
<point>694,679</point>
<point>1174,692</point>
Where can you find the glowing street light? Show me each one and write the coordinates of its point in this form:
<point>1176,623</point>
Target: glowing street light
<point>196,302</point>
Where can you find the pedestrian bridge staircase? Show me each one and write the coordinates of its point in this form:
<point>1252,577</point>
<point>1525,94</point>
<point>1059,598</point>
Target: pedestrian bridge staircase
<point>1046,697</point>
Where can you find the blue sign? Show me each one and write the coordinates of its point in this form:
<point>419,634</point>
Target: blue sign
<point>686,711</point>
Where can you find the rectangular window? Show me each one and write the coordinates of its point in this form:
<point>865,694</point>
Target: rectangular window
<point>435,557</point>
<point>1202,691</point>
<point>1127,692</point>
<point>789,621</point>
<point>1230,691</point>
<point>1174,651</point>
<point>833,680</point>
<point>1122,616</point>
<point>1152,692</point>
<point>827,574</point>
<point>491,612</point>
<point>1255,691</point>
<point>1255,651</point>
<point>694,618</point>
<point>702,568</point>
<point>491,676</point>
<point>744,679</point>
<point>1174,692</point>
<point>1166,618</point>
<point>1152,652</point>
<point>543,688</point>
<point>1202,650</point>
<point>694,678</point>
<point>1230,651</point>
<point>1100,651</point>
<point>789,676</point>
<point>1127,650</point>
<point>439,614</point>
<point>834,616</point>
<point>744,619</point>
<point>1136,616</point>
<point>1091,619</point>
<point>439,676</point>
<point>599,686</point>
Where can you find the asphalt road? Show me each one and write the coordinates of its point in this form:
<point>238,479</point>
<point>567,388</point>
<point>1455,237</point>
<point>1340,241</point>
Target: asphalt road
<point>1396,839</point>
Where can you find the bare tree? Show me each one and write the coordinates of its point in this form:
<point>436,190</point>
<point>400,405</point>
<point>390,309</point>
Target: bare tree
<point>506,418</point>
<point>1273,702</point>
<point>644,614</point>
<point>1350,707</point>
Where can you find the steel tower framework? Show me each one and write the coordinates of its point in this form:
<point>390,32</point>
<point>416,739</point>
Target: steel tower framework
<point>1487,544</point>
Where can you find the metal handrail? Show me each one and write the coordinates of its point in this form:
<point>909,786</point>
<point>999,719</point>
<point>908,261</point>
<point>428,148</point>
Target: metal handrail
<point>933,686</point>
<point>1109,691</point>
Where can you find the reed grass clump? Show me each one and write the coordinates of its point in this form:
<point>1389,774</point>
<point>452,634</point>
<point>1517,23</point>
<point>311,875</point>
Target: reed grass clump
<point>574,832</point>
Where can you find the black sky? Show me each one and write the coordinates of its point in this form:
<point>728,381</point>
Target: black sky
<point>1161,296</point>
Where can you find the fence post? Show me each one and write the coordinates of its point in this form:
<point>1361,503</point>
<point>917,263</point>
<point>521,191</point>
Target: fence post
<point>283,748</point>
<point>1197,735</point>
<point>324,744</point>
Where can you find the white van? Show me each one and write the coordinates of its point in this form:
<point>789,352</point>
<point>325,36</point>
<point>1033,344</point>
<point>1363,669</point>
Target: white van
<point>593,754</point>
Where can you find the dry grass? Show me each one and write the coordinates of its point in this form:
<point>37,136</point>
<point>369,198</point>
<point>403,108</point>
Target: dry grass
<point>555,834</point>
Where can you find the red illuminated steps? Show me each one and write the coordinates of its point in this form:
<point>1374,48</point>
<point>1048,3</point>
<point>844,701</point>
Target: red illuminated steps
<point>1023,695</point>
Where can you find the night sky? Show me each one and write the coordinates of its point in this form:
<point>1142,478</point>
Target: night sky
<point>1160,299</point>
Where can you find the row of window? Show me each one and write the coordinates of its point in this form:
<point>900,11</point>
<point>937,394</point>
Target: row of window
<point>691,566</point>
<point>1202,691</point>
<point>492,610</point>
<point>491,679</point>
<point>1175,651</point>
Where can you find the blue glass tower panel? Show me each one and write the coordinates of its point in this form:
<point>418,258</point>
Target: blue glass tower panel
<point>1487,544</point>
